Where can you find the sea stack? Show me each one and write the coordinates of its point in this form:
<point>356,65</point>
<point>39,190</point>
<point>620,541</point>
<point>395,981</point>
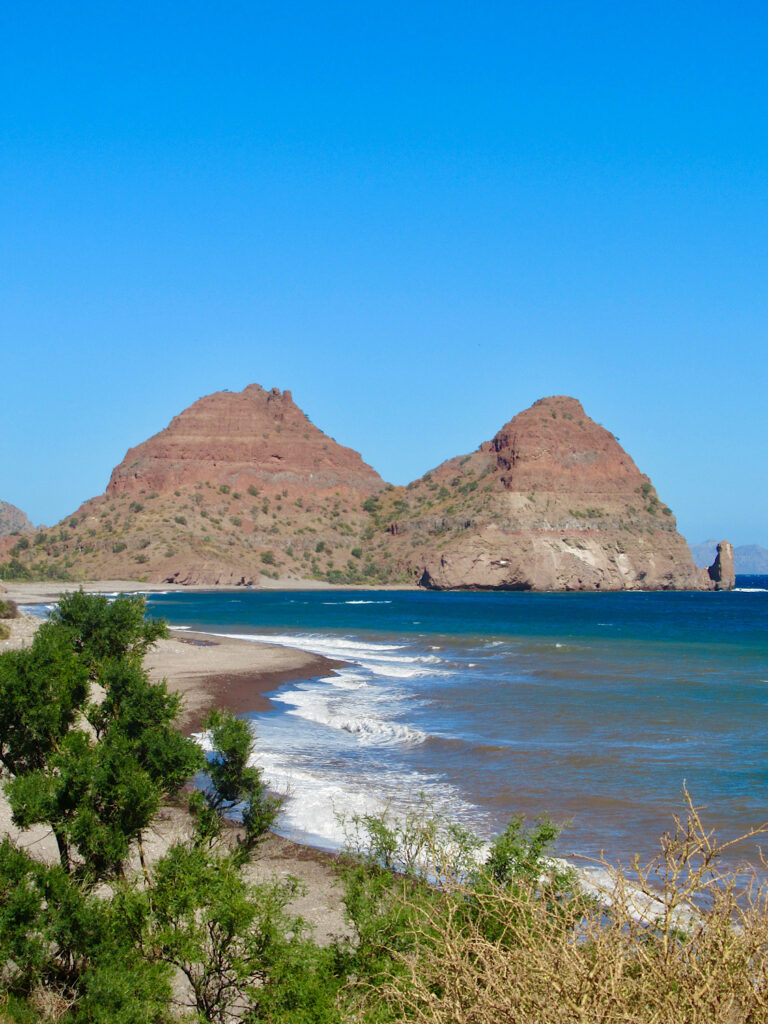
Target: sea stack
<point>722,572</point>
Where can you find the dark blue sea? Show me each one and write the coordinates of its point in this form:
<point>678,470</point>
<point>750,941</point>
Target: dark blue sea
<point>596,709</point>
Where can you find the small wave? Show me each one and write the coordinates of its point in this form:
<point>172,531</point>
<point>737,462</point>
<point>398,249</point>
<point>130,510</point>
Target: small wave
<point>750,590</point>
<point>330,646</point>
<point>395,670</point>
<point>347,682</point>
<point>37,611</point>
<point>368,728</point>
<point>366,602</point>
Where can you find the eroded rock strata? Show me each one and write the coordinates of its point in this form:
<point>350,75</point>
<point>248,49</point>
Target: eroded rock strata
<point>241,488</point>
<point>252,437</point>
<point>552,502</point>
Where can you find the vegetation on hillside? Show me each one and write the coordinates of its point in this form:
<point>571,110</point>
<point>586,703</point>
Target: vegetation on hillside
<point>248,535</point>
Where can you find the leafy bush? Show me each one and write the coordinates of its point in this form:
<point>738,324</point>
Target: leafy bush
<point>8,609</point>
<point>14,570</point>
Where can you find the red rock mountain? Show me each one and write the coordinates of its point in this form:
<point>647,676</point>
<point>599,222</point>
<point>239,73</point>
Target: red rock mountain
<point>241,488</point>
<point>552,502</point>
<point>252,437</point>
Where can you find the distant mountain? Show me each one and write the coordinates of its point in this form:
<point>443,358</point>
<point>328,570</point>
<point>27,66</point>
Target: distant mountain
<point>241,486</point>
<point>750,559</point>
<point>13,520</point>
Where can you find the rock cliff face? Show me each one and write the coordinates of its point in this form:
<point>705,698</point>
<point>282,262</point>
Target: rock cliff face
<point>12,519</point>
<point>253,437</point>
<point>552,502</point>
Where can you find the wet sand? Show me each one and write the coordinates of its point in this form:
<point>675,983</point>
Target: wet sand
<point>212,671</point>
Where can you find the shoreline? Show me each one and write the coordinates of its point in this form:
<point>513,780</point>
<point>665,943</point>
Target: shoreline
<point>43,592</point>
<point>210,670</point>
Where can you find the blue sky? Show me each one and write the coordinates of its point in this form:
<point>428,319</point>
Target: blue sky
<point>418,217</point>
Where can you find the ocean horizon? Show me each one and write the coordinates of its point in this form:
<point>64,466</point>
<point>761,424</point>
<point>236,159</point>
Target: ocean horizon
<point>594,709</point>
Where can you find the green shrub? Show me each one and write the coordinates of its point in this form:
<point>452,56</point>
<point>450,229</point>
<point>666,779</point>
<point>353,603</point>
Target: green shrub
<point>14,570</point>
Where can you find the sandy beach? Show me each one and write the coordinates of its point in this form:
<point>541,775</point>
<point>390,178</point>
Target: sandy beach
<point>208,671</point>
<point>34,593</point>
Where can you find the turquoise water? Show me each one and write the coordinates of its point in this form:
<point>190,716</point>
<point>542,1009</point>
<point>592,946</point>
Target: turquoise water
<point>593,708</point>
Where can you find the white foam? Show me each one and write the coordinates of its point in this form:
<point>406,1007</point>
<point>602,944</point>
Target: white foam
<point>750,590</point>
<point>317,643</point>
<point>318,706</point>
<point>393,670</point>
<point>317,804</point>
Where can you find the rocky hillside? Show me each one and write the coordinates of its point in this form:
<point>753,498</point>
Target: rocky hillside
<point>552,502</point>
<point>238,487</point>
<point>241,486</point>
<point>13,520</point>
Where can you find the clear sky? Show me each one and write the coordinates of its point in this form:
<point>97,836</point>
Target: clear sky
<point>419,217</point>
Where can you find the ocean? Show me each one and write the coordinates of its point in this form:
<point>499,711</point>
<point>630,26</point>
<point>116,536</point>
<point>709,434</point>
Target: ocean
<point>596,709</point>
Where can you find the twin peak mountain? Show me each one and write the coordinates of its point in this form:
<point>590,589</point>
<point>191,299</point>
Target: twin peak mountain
<point>241,488</point>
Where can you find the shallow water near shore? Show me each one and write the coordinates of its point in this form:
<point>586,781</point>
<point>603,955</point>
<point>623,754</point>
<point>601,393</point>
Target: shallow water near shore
<point>593,708</point>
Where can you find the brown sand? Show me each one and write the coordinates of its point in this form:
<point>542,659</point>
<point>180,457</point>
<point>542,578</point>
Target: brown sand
<point>31,593</point>
<point>222,671</point>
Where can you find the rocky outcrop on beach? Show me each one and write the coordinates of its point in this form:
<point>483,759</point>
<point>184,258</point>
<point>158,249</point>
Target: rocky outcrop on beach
<point>13,520</point>
<point>552,502</point>
<point>241,489</point>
